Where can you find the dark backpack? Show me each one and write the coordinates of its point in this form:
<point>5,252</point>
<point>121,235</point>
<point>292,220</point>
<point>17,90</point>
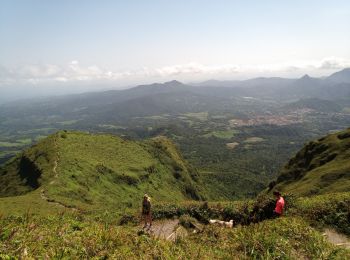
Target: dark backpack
<point>146,205</point>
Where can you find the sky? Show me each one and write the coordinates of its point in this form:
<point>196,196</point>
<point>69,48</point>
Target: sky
<point>87,44</point>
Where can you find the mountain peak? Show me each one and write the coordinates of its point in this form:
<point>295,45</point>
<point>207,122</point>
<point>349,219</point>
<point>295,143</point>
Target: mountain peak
<point>305,77</point>
<point>347,70</point>
<point>173,83</point>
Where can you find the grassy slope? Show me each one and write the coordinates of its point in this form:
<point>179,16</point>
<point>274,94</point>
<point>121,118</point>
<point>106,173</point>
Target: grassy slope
<point>322,166</point>
<point>77,236</point>
<point>28,203</point>
<point>23,173</point>
<point>96,161</point>
<point>99,171</point>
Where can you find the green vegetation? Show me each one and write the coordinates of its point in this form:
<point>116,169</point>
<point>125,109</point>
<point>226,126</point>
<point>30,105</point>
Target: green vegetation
<point>111,127</point>
<point>28,170</point>
<point>201,116</point>
<point>74,235</point>
<point>238,173</point>
<point>68,122</point>
<point>98,171</point>
<point>228,134</point>
<point>8,144</point>
<point>71,237</point>
<point>29,203</point>
<point>326,210</point>
<point>196,119</point>
<point>322,166</point>
<point>253,140</point>
<point>77,195</point>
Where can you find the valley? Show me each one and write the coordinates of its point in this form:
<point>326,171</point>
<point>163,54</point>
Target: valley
<point>177,130</point>
<point>72,180</point>
<point>211,126</point>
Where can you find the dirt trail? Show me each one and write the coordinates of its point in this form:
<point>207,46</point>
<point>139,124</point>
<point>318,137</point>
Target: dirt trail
<point>336,238</point>
<point>168,229</point>
<point>54,170</point>
<point>55,163</point>
<point>56,203</point>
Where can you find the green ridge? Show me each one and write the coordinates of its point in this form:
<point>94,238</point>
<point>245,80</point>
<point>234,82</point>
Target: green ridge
<point>96,171</point>
<point>321,166</point>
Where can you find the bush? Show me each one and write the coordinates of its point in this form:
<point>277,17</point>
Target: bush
<point>128,179</point>
<point>177,174</point>
<point>128,219</point>
<point>242,213</point>
<point>329,209</point>
<point>187,221</point>
<point>191,191</point>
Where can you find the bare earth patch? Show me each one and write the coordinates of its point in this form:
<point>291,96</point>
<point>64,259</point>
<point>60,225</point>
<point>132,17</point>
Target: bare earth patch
<point>232,145</point>
<point>252,140</point>
<point>336,238</point>
<point>168,229</point>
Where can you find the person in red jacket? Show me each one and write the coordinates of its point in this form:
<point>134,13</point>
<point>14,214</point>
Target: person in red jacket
<point>278,211</point>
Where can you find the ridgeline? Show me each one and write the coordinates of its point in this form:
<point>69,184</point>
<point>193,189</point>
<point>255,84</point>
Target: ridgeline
<point>96,171</point>
<point>320,167</point>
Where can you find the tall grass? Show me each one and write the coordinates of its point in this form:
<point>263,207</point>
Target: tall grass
<point>73,236</point>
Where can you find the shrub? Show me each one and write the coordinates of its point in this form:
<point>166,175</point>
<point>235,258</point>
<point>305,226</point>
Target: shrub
<point>328,209</point>
<point>128,179</point>
<point>191,191</point>
<point>128,219</point>
<point>187,221</point>
<point>177,174</point>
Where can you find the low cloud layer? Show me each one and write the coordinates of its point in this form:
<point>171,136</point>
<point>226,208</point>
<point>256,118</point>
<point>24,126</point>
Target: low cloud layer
<point>74,72</point>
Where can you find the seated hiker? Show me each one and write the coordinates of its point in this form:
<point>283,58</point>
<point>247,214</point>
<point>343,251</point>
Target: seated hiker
<point>278,211</point>
<point>146,211</point>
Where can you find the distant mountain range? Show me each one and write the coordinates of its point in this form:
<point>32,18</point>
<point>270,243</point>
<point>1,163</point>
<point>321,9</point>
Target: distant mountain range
<point>333,86</point>
<point>342,76</point>
<point>284,113</point>
<point>175,97</point>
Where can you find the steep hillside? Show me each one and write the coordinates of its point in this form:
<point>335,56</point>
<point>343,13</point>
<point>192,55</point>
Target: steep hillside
<point>30,170</point>
<point>342,76</point>
<point>95,171</point>
<point>322,166</point>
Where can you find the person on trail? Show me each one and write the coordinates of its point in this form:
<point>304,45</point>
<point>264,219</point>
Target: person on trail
<point>278,211</point>
<point>146,211</point>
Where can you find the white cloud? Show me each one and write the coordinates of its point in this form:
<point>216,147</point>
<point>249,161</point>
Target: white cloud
<point>334,63</point>
<point>75,72</point>
<point>195,68</point>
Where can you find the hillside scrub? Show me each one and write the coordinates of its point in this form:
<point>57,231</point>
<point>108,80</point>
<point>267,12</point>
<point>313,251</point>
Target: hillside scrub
<point>23,173</point>
<point>326,210</point>
<point>242,212</point>
<point>254,236</point>
<point>320,211</point>
<point>321,166</point>
<point>72,236</point>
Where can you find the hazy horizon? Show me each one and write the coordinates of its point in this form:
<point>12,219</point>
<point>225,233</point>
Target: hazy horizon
<point>79,46</point>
